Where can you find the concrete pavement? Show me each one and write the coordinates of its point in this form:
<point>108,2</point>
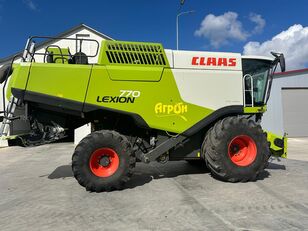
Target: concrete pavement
<point>38,192</point>
<point>298,148</point>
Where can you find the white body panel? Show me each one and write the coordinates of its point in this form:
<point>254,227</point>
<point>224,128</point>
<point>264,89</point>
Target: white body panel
<point>257,57</point>
<point>207,60</point>
<point>169,54</point>
<point>210,89</point>
<point>209,79</point>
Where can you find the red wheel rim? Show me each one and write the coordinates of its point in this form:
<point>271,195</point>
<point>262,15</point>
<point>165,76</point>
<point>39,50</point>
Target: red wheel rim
<point>242,150</point>
<point>104,162</point>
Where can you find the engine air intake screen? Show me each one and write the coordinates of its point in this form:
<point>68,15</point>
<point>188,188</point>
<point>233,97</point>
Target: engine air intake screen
<point>132,53</point>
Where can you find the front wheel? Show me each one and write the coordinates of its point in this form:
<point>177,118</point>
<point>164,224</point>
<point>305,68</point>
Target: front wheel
<point>236,149</point>
<point>103,161</point>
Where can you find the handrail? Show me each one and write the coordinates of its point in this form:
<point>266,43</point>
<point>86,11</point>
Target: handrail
<point>5,82</point>
<point>29,42</point>
<point>248,90</point>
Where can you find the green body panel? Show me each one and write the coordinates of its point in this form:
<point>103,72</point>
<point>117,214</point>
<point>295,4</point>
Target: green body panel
<point>129,73</point>
<point>60,80</point>
<point>275,150</point>
<point>10,137</point>
<point>19,77</point>
<point>159,103</point>
<point>285,147</point>
<point>254,110</point>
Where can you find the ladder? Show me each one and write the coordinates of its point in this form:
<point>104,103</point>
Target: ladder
<point>9,116</point>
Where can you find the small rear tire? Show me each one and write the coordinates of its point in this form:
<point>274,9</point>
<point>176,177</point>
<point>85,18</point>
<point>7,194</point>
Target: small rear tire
<point>236,149</point>
<point>103,161</point>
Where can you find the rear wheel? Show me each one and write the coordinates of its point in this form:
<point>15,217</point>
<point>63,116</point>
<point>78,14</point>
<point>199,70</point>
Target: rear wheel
<point>236,149</point>
<point>103,161</point>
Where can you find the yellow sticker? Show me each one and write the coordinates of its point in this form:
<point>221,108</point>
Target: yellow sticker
<point>177,109</point>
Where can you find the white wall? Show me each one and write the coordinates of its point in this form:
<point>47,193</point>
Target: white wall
<point>88,47</point>
<point>273,118</point>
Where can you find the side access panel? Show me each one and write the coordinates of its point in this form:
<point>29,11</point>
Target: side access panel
<point>60,85</point>
<point>209,79</point>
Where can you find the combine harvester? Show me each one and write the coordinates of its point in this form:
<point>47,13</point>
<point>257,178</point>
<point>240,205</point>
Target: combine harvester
<point>145,104</point>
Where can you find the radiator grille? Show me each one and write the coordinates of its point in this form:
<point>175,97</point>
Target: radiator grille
<point>149,54</point>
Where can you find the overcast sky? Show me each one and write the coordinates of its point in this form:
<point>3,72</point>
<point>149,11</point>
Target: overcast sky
<point>245,26</point>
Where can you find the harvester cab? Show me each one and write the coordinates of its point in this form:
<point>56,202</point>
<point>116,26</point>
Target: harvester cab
<point>144,103</point>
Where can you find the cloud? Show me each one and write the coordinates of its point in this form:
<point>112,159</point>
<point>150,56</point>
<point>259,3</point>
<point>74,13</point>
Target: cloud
<point>293,43</point>
<point>222,29</point>
<point>260,22</point>
<point>30,4</point>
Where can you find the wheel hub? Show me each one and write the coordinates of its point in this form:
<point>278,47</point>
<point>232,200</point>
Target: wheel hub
<point>104,161</point>
<point>235,149</point>
<point>242,150</point>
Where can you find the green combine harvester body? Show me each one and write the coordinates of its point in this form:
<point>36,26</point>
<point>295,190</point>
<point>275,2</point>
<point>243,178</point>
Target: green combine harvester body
<point>162,104</point>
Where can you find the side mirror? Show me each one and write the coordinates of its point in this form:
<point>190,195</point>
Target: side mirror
<point>280,58</point>
<point>282,62</point>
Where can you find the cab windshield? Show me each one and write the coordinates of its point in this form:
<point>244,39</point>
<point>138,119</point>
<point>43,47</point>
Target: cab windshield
<point>256,73</point>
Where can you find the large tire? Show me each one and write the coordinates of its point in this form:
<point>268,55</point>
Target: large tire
<point>236,149</point>
<point>103,161</point>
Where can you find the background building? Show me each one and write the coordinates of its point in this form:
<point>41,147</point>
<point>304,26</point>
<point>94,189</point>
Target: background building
<point>288,105</point>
